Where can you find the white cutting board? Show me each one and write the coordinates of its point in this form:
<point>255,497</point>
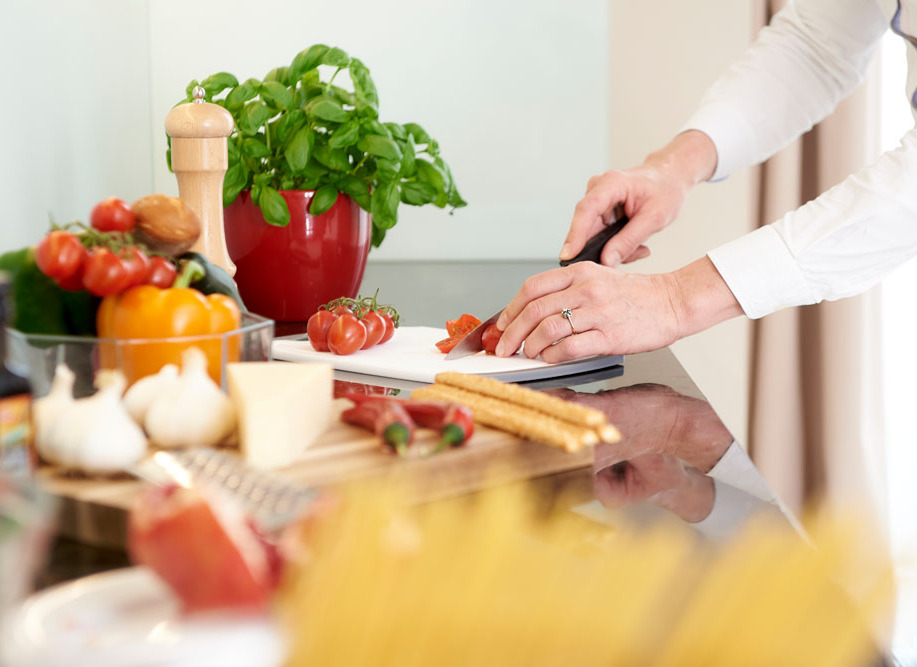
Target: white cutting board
<point>412,355</point>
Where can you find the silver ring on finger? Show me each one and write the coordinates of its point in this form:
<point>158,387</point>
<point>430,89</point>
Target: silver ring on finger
<point>567,314</point>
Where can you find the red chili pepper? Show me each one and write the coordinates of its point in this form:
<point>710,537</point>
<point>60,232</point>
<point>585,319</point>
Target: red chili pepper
<point>389,421</point>
<point>454,421</point>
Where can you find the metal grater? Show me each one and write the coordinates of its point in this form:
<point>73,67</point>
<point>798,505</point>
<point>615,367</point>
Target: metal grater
<point>272,503</point>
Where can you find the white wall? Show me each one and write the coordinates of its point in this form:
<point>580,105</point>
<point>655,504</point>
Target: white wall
<point>663,56</point>
<point>74,108</point>
<point>514,91</point>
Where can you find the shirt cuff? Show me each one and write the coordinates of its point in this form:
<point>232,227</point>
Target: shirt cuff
<point>731,511</point>
<point>762,273</point>
<point>736,469</point>
<point>729,131</point>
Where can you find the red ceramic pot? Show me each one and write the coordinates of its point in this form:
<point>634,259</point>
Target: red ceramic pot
<point>286,273</point>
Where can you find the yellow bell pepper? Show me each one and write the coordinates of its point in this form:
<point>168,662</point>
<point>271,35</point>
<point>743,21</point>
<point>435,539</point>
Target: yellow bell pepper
<point>146,319</point>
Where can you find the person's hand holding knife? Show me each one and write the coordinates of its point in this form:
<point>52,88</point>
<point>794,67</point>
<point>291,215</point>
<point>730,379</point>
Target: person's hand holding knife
<point>586,309</point>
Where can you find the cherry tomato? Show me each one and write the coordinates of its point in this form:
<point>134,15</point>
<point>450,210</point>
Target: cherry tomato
<point>73,283</point>
<point>112,215</point>
<point>446,344</point>
<point>462,325</point>
<point>375,328</point>
<point>59,255</point>
<point>105,273</point>
<point>490,338</point>
<point>389,327</point>
<point>317,329</point>
<point>137,264</point>
<point>346,335</point>
<point>162,272</point>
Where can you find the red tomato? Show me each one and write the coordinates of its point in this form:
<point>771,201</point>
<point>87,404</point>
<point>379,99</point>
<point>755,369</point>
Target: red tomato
<point>112,215</point>
<point>317,329</point>
<point>375,328</point>
<point>490,338</point>
<point>446,344</point>
<point>462,325</point>
<point>162,272</point>
<point>105,273</point>
<point>59,255</point>
<point>137,264</point>
<point>346,335</point>
<point>389,327</point>
<point>72,284</point>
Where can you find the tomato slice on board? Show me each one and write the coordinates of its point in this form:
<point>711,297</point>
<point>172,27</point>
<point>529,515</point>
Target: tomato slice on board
<point>446,344</point>
<point>463,325</point>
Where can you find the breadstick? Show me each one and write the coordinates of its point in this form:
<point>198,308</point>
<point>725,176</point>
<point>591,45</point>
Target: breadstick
<point>521,421</point>
<point>536,400</point>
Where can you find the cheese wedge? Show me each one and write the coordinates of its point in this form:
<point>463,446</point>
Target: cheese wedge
<point>282,408</point>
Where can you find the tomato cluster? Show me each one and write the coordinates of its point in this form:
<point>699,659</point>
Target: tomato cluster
<point>102,260</point>
<point>344,325</point>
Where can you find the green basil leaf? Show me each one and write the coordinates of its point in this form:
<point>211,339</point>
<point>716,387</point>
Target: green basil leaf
<point>430,173</point>
<point>256,194</point>
<point>169,159</point>
<point>455,199</point>
<point>372,126</point>
<point>417,194</point>
<point>306,60</point>
<point>233,150</point>
<point>380,147</point>
<point>255,147</point>
<point>278,74</point>
<point>287,184</point>
<point>343,96</point>
<point>274,207</point>
<point>365,96</point>
<point>357,189</point>
<point>385,200</point>
<point>447,173</point>
<point>346,135</point>
<point>326,108</point>
<point>378,235</point>
<point>336,58</point>
<point>263,178</point>
<point>323,200</point>
<point>333,158</point>
<point>288,124</point>
<point>217,83</point>
<point>407,162</point>
<point>233,182</point>
<point>314,170</point>
<point>253,116</point>
<point>242,94</point>
<point>274,92</point>
<point>420,135</point>
<point>298,152</point>
<point>396,131</point>
<point>388,170</point>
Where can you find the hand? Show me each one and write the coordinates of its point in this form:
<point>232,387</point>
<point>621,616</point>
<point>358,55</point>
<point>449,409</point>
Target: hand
<point>652,196</point>
<point>613,312</point>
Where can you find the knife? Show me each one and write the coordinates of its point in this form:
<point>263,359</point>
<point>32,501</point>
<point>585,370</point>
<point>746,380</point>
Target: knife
<point>591,252</point>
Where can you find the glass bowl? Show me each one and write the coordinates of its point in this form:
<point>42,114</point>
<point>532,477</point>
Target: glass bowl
<point>35,356</point>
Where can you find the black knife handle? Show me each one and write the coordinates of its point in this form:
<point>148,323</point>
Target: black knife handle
<point>592,251</point>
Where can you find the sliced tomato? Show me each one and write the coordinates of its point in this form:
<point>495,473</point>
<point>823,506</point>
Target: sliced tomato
<point>463,325</point>
<point>446,344</point>
<point>491,337</point>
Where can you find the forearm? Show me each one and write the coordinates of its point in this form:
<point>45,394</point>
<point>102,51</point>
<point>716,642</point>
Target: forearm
<point>700,297</point>
<point>689,158</point>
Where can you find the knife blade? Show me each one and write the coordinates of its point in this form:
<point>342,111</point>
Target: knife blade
<point>591,252</point>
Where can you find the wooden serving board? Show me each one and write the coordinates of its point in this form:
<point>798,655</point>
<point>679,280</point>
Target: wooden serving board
<point>94,510</point>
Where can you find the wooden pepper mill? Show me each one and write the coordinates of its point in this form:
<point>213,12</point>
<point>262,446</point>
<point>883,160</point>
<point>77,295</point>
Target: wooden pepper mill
<point>199,159</point>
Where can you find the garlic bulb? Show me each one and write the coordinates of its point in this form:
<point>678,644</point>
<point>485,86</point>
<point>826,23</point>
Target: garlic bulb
<point>47,408</point>
<point>145,391</point>
<point>196,413</point>
<point>95,434</point>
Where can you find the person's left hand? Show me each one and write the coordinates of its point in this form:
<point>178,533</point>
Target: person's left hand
<point>613,312</point>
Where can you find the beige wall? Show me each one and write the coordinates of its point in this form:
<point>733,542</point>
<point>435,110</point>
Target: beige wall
<point>663,56</point>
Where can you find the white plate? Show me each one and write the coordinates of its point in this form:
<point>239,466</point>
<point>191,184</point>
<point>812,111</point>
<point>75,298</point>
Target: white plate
<point>412,355</point>
<point>128,618</point>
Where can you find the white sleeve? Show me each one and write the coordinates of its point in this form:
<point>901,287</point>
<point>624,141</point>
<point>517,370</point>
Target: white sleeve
<point>813,53</point>
<point>837,245</point>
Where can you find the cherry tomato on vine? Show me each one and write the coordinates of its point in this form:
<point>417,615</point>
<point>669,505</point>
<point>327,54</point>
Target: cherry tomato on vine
<point>138,265</point>
<point>162,272</point>
<point>490,338</point>
<point>317,329</point>
<point>389,326</point>
<point>73,283</point>
<point>112,215</point>
<point>346,335</point>
<point>60,255</point>
<point>104,273</point>
<point>375,328</point>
